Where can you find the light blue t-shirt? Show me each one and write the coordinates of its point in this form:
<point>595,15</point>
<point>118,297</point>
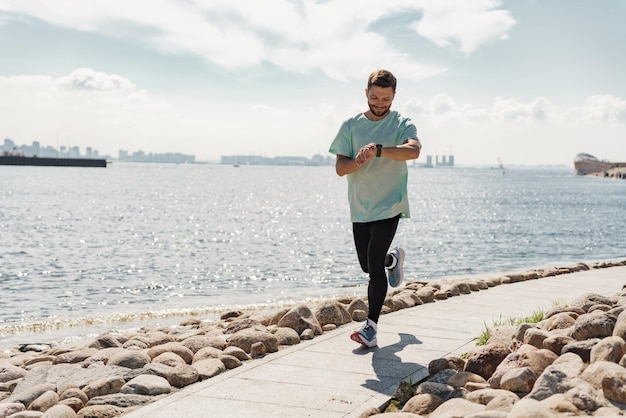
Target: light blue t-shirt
<point>377,190</point>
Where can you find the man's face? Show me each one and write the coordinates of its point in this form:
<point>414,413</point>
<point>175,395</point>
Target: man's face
<point>379,100</point>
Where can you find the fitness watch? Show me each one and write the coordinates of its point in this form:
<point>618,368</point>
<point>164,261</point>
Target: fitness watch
<point>379,150</point>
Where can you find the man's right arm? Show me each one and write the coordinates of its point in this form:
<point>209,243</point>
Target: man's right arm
<point>346,165</point>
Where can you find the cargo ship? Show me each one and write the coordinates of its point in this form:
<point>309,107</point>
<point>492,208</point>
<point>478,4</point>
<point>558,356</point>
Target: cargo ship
<point>20,159</point>
<point>588,164</point>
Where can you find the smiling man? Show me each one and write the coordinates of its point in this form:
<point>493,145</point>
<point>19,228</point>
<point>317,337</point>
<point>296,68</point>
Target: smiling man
<point>372,149</point>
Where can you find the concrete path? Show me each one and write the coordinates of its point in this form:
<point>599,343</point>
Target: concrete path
<point>331,376</point>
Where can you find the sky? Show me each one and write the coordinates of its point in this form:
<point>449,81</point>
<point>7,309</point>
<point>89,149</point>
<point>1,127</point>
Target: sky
<point>525,82</point>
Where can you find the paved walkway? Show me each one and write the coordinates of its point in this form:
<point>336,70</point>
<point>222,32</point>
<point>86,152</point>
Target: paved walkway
<point>330,376</point>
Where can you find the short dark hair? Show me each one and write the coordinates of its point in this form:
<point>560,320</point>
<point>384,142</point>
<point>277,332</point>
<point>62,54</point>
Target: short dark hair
<point>382,78</point>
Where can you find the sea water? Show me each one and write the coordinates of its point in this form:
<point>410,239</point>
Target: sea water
<point>83,250</point>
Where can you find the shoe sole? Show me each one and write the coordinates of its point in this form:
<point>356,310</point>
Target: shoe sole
<point>400,267</point>
<point>356,337</point>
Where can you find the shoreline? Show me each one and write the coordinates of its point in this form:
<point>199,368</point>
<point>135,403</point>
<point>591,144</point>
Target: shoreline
<point>125,372</point>
<point>77,330</point>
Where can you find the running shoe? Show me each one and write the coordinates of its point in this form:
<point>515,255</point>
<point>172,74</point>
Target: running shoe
<point>366,335</point>
<point>395,275</point>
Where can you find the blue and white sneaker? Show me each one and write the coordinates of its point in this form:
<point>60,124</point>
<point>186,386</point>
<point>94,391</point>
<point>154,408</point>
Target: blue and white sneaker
<point>395,274</point>
<point>366,335</point>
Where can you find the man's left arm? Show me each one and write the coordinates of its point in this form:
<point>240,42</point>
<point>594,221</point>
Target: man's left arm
<point>408,150</point>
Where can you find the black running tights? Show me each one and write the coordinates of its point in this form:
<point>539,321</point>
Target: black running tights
<point>372,241</point>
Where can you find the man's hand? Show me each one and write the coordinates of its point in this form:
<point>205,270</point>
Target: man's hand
<point>366,153</point>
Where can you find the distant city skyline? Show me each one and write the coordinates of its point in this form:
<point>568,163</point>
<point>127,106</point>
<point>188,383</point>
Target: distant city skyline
<point>36,149</point>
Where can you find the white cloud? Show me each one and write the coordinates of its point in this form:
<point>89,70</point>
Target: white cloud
<point>86,78</point>
<point>602,109</point>
<point>333,37</point>
<point>511,109</point>
<point>443,108</point>
<point>470,23</point>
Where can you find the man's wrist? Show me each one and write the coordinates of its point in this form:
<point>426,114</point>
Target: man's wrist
<point>379,150</point>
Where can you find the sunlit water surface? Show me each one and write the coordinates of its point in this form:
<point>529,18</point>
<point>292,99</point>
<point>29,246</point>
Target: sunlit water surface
<point>83,250</point>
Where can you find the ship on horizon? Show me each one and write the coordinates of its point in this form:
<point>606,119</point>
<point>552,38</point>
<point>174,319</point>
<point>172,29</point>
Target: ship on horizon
<point>588,164</point>
<point>18,158</point>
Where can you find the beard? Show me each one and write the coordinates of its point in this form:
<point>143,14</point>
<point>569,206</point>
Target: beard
<point>378,111</point>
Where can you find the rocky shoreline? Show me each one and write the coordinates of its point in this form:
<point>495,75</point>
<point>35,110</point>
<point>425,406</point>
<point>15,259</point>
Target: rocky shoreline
<point>572,362</point>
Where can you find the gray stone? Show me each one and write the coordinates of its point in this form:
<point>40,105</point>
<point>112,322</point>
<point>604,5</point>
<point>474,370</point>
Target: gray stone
<point>104,386</point>
<point>287,336</point>
<point>300,318</point>
<point>209,368</point>
<point>132,359</point>
<point>147,385</point>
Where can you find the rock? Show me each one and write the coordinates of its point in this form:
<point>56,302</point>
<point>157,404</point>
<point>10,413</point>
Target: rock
<point>520,380</point>
<point>587,300</point>
<point>585,396</point>
<point>230,362</point>
<point>620,326</point>
<point>535,337</point>
<point>132,359</point>
<point>10,408</point>
<point>485,396</point>
<point>555,343</point>
<point>169,359</point>
<point>593,325</point>
<point>105,341</point>
<point>450,362</point>
<point>246,338</point>
<point>237,352</point>
<point>258,350</point>
<point>241,324</point>
<point>209,368</point>
<point>9,372</point>
<point>557,378</point>
<point>608,349</point>
<point>74,393</point>
<point>457,407</point>
<point>530,408</point>
<point>287,336</point>
<point>614,386</point>
<point>357,304</point>
<point>75,356</point>
<point>595,372</point>
<point>422,404</point>
<point>122,400</point>
<point>44,401</point>
<point>332,312</point>
<point>207,352</point>
<point>59,411</point>
<point>27,394</point>
<point>147,385</point>
<point>27,414</point>
<point>74,403</point>
<point>183,375</point>
<point>198,342</point>
<point>172,347</point>
<point>300,318</point>
<point>484,360</point>
<point>100,411</point>
<point>104,386</point>
<point>460,379</point>
<point>561,320</point>
<point>581,348</point>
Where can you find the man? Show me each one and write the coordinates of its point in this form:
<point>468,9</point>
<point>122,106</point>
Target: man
<point>372,149</point>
